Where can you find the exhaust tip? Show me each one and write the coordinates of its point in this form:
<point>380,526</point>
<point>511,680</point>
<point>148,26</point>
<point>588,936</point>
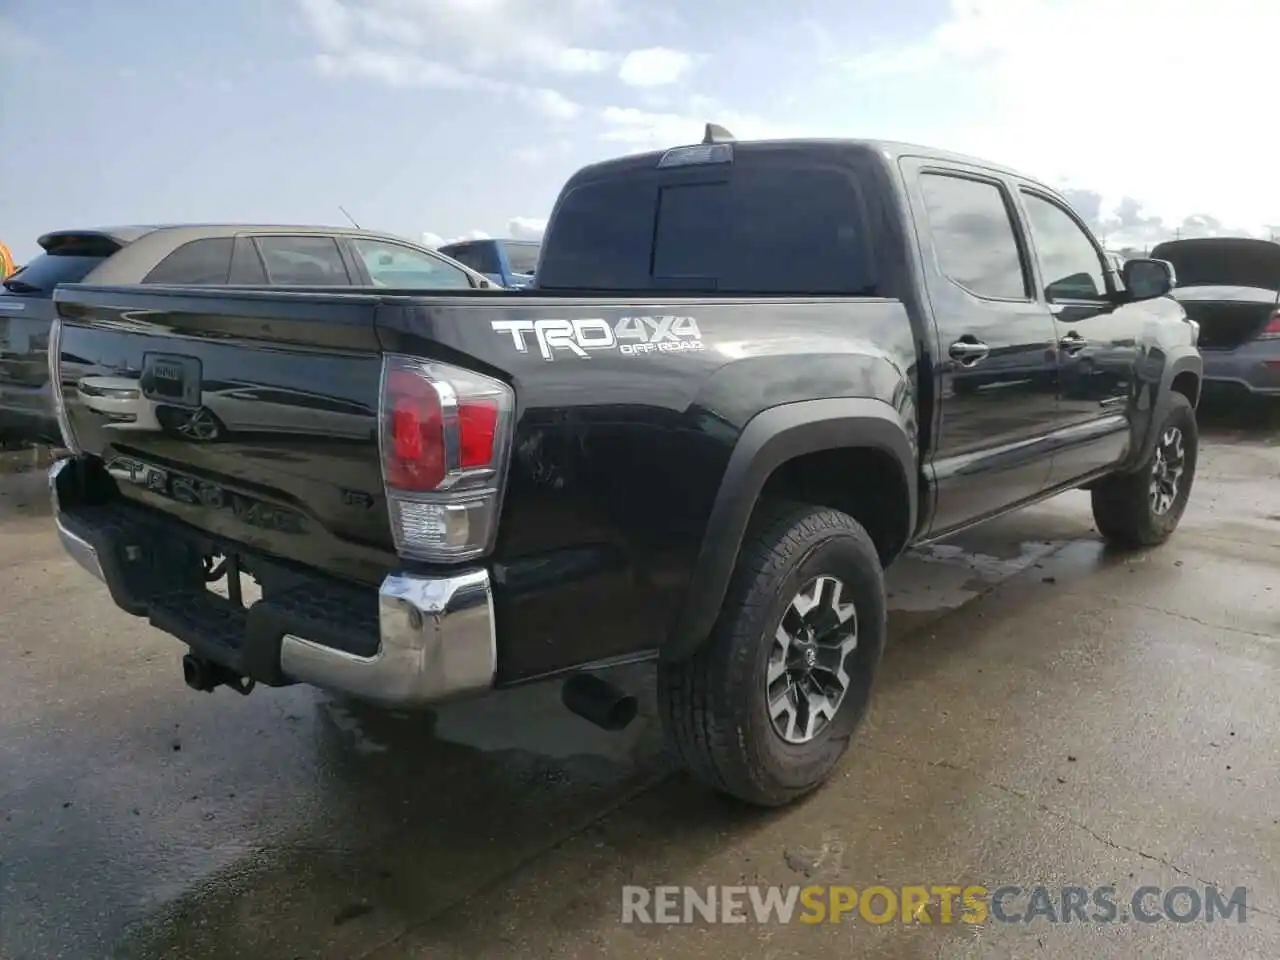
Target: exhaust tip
<point>598,701</point>
<point>192,674</point>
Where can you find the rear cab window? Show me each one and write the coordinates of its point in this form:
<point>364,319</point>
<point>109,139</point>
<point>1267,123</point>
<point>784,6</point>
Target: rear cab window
<point>775,219</point>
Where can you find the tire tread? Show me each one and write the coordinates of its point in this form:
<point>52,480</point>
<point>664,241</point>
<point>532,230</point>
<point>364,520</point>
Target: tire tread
<point>696,704</point>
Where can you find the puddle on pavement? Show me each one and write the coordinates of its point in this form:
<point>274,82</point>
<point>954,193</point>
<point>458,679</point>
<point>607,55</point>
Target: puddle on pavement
<point>942,576</point>
<point>447,802</point>
<point>406,814</point>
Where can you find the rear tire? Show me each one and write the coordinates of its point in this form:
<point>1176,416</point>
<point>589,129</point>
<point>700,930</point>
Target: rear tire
<point>1143,508</point>
<point>805,600</point>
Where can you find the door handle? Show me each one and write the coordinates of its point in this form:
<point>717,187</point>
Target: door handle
<point>1073,343</point>
<point>969,352</point>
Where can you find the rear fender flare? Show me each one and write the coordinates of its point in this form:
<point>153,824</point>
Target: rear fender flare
<point>770,439</point>
<point>1184,360</point>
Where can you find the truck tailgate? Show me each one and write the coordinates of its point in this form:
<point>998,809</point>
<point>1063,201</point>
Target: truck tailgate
<point>249,417</point>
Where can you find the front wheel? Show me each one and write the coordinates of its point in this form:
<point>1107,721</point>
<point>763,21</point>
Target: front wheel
<point>764,710</point>
<point>1143,508</point>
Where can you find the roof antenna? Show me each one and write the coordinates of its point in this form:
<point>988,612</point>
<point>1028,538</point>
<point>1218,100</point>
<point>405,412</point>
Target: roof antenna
<point>717,134</point>
<point>349,217</point>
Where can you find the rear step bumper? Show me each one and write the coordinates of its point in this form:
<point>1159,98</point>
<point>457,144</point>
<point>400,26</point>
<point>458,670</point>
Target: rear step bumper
<point>419,640</point>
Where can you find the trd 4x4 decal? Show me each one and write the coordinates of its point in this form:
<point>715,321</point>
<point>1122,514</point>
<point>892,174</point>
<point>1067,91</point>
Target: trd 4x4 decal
<point>630,336</point>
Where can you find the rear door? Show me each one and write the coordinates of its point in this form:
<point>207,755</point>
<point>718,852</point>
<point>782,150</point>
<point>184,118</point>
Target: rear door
<point>995,344</point>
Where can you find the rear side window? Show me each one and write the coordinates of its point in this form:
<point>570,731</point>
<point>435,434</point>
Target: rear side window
<point>246,264</point>
<point>764,224</point>
<point>973,236</point>
<point>304,261</point>
<point>43,273</point>
<point>522,257</point>
<point>198,263</point>
<point>480,257</point>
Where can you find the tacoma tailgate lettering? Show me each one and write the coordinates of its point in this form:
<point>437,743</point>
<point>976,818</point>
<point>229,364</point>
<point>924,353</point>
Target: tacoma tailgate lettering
<point>201,493</point>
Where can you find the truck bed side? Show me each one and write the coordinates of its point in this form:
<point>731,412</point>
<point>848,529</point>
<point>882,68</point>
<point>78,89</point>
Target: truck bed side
<point>626,417</point>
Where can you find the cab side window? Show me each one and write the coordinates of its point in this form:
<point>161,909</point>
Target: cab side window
<point>973,235</point>
<point>1070,264</point>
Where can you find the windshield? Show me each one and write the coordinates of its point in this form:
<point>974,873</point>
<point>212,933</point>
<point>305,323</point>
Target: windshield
<point>770,222</point>
<point>523,257</point>
<point>46,271</point>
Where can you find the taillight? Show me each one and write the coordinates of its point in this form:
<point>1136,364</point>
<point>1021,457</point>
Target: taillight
<point>444,433</point>
<point>1272,330</point>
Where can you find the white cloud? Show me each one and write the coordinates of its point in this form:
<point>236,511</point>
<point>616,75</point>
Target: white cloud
<point>648,130</point>
<point>462,44</point>
<point>527,228</point>
<point>536,153</point>
<point>477,36</point>
<point>1153,97</point>
<point>432,240</point>
<point>529,154</point>
<point>654,67</point>
<point>400,69</point>
<point>550,103</point>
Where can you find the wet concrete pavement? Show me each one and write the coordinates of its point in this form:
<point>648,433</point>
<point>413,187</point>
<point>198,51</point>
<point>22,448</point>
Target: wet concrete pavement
<point>1048,713</point>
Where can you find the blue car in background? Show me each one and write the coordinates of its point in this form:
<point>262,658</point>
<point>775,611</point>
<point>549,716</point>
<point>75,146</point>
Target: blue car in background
<point>509,263</point>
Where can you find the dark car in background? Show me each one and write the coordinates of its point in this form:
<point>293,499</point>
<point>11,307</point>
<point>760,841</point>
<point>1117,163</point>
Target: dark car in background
<point>188,254</point>
<point>1231,287</point>
<point>508,263</point>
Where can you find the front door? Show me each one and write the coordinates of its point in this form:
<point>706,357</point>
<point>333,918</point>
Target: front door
<point>1097,340</point>
<point>996,365</point>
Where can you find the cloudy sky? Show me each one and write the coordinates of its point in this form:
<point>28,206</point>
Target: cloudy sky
<point>453,116</point>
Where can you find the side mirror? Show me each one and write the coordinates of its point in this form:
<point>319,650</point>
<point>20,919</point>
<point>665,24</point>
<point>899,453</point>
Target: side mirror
<point>1146,279</point>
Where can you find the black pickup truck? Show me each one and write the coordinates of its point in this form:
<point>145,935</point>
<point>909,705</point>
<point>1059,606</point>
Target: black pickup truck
<point>749,375</point>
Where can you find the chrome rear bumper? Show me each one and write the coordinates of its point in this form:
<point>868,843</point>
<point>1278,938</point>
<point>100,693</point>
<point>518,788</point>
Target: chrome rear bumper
<point>435,634</point>
<point>436,638</point>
